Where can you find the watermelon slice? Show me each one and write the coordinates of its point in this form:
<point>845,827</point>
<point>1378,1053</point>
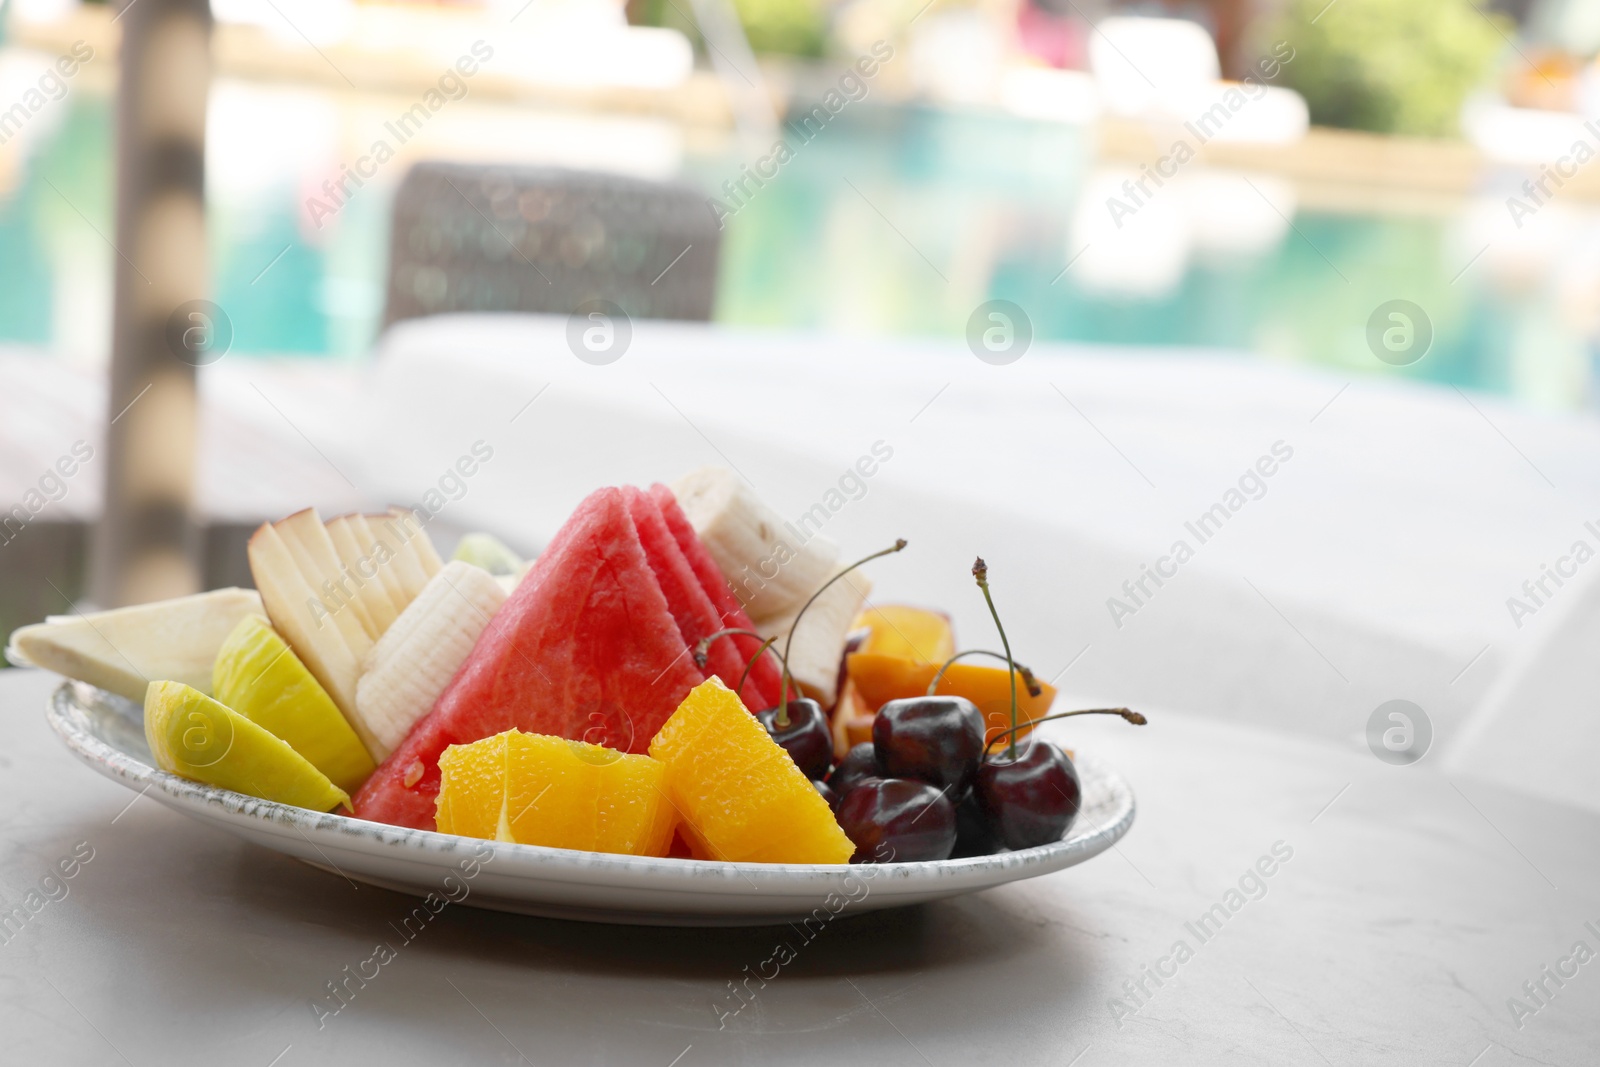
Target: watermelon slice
<point>764,676</point>
<point>686,599</point>
<point>585,648</point>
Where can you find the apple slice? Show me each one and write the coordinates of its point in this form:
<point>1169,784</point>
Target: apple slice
<point>320,564</point>
<point>364,529</point>
<point>195,737</point>
<point>258,676</point>
<point>124,649</point>
<point>419,544</point>
<point>301,617</point>
<point>821,638</point>
<point>396,533</point>
<point>362,571</point>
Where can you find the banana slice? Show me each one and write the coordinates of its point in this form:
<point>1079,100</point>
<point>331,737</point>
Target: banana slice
<point>413,662</point>
<point>820,640</point>
<point>772,566</point>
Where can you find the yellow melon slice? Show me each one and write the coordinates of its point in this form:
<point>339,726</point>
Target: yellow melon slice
<point>743,798</point>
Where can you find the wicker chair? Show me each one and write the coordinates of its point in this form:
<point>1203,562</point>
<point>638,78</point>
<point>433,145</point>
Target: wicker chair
<point>479,238</point>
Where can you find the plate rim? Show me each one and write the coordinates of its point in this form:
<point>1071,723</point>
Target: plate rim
<point>71,700</point>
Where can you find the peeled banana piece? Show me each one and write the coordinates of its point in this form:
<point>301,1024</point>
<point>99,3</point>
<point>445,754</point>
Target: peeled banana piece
<point>819,642</point>
<point>773,566</point>
<point>413,661</point>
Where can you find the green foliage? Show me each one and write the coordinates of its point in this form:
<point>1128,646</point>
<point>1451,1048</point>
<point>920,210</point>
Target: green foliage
<point>1389,66</point>
<point>790,27</point>
<point>794,27</point>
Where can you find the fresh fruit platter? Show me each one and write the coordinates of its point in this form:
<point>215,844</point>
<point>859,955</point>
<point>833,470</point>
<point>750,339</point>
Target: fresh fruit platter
<point>680,711</point>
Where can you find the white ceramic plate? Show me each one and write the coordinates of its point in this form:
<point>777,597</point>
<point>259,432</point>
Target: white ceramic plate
<point>107,733</point>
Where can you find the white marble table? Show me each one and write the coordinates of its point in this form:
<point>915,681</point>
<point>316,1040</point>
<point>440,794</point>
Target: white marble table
<point>1411,908</point>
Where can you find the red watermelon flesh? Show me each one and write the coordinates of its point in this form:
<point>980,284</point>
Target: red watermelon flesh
<point>765,675</point>
<point>687,601</point>
<point>586,648</point>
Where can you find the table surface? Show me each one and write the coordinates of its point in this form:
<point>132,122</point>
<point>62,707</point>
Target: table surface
<point>1410,907</point>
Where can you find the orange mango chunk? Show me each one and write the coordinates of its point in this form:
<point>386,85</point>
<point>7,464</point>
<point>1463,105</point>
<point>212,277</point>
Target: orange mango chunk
<point>472,787</point>
<point>913,633</point>
<point>534,789</point>
<point>741,797</point>
<point>570,794</point>
<point>879,679</point>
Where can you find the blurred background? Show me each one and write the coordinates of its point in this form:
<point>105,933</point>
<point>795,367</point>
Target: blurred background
<point>1388,145</point>
<point>1243,180</point>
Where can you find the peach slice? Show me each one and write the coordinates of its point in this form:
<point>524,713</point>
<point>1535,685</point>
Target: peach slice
<point>879,678</point>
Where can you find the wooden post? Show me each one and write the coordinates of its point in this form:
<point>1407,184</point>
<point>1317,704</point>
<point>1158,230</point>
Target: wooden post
<point>146,546</point>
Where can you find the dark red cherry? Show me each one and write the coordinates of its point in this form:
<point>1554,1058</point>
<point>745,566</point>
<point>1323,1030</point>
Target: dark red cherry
<point>807,738</point>
<point>897,820</point>
<point>938,740</point>
<point>825,791</point>
<point>974,835</point>
<point>859,764</point>
<point>1031,799</point>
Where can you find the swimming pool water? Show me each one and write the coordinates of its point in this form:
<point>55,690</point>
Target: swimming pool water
<point>893,222</point>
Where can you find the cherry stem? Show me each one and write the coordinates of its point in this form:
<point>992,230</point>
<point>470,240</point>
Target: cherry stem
<point>1027,676</point>
<point>765,645</point>
<point>782,721</point>
<point>701,660</point>
<point>980,571</point>
<point>1132,716</point>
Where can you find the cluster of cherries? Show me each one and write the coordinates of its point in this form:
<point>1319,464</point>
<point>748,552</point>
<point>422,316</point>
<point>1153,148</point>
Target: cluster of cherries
<point>927,786</point>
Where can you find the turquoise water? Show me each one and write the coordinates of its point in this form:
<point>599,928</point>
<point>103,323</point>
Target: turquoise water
<point>890,223</point>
